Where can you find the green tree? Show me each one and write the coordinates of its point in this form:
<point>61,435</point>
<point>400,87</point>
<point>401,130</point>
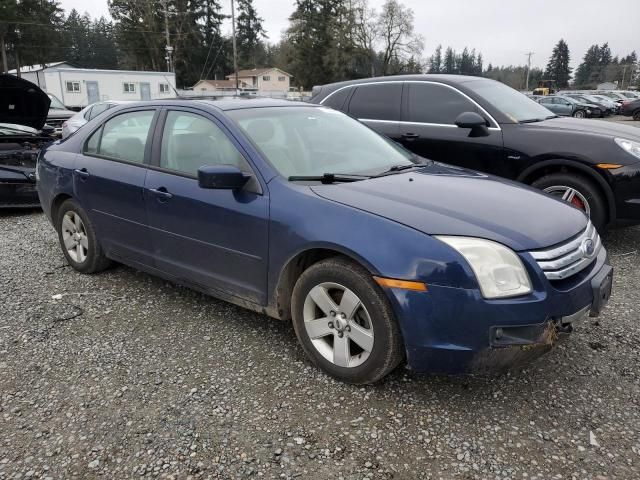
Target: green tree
<point>249,35</point>
<point>435,62</point>
<point>449,64</point>
<point>558,68</point>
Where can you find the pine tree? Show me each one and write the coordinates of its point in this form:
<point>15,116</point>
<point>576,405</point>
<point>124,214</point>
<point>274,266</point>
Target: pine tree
<point>558,68</point>
<point>588,71</point>
<point>435,62</point>
<point>449,64</point>
<point>249,35</point>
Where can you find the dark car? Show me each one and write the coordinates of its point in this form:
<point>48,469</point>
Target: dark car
<point>23,110</point>
<point>58,114</point>
<point>606,108</point>
<point>630,108</point>
<point>484,125</point>
<point>302,213</point>
<point>565,106</point>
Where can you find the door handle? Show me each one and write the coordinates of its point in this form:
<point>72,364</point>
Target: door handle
<point>82,173</point>
<point>161,193</point>
<point>410,136</point>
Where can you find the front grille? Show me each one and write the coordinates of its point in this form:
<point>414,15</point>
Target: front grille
<point>561,262</point>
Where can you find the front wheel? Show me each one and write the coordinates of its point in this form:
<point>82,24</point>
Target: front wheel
<point>579,191</point>
<point>78,239</point>
<point>636,115</point>
<point>579,114</point>
<point>345,323</point>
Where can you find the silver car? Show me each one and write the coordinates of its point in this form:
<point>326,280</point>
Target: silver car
<point>87,113</point>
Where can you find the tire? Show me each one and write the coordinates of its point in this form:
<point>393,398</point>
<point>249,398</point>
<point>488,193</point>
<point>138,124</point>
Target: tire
<point>636,115</point>
<point>374,345</point>
<point>580,114</point>
<point>78,239</point>
<point>585,189</point>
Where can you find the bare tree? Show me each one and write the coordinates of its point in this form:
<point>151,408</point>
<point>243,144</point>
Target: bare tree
<point>396,30</point>
<point>366,34</point>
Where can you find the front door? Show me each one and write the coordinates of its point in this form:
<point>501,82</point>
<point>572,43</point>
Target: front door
<point>215,239</point>
<point>93,92</point>
<point>428,128</point>
<point>109,180</point>
<point>145,91</point>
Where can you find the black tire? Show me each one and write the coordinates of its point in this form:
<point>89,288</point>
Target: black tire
<point>636,115</point>
<point>580,114</point>
<point>587,188</point>
<point>388,348</point>
<point>95,260</point>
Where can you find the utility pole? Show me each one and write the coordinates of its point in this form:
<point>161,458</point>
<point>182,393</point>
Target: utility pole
<point>528,54</point>
<point>624,73</point>
<point>3,49</point>
<point>168,47</point>
<point>235,52</point>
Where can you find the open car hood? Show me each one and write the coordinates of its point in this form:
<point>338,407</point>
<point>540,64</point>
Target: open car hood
<point>22,102</point>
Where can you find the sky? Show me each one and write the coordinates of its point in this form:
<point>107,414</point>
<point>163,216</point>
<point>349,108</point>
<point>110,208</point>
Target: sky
<point>503,30</point>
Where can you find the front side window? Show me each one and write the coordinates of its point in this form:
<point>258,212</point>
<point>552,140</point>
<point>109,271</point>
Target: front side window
<point>317,140</point>
<point>433,103</point>
<point>190,141</point>
<point>129,87</point>
<point>73,87</point>
<point>377,102</point>
<point>123,137</point>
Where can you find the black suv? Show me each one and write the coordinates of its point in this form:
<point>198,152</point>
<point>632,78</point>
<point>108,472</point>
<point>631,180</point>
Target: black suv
<point>485,125</point>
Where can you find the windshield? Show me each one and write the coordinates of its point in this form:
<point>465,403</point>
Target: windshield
<point>517,106</point>
<point>55,103</point>
<point>569,99</point>
<point>309,141</point>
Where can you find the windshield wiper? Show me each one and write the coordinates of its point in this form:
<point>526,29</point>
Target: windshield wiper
<point>531,120</point>
<point>327,178</point>
<point>400,168</point>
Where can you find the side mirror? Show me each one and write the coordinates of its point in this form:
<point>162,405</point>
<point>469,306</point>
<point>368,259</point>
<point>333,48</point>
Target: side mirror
<point>222,177</point>
<point>475,122</point>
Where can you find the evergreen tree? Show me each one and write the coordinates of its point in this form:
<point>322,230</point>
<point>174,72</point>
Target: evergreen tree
<point>249,35</point>
<point>588,71</point>
<point>435,62</point>
<point>449,64</point>
<point>558,68</point>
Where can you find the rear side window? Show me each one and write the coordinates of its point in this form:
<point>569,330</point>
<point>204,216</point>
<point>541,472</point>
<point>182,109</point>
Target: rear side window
<point>377,102</point>
<point>337,99</point>
<point>124,137</point>
<point>432,103</point>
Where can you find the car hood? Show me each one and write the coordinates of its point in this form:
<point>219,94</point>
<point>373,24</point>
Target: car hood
<point>22,102</point>
<point>581,125</point>
<point>59,113</point>
<point>446,200</point>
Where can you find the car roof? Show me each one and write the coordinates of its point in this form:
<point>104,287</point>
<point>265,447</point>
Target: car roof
<point>224,104</point>
<point>424,77</point>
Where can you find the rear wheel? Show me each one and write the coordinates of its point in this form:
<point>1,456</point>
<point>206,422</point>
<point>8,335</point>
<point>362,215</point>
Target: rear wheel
<point>636,115</point>
<point>78,239</point>
<point>344,322</point>
<point>579,114</point>
<point>577,190</point>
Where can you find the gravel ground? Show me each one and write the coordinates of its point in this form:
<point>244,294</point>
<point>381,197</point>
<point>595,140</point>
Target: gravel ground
<point>121,375</point>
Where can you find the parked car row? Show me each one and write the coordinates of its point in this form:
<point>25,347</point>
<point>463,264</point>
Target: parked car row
<point>387,238</point>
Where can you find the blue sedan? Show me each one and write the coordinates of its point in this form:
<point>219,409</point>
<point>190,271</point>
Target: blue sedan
<point>377,256</point>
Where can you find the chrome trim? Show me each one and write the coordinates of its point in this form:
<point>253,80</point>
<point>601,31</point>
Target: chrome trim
<point>566,260</point>
<point>496,126</point>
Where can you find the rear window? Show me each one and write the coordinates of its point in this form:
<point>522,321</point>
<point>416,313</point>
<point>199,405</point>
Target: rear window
<point>337,99</point>
<point>377,102</point>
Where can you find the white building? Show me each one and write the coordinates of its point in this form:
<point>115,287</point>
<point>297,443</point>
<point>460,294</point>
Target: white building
<point>79,87</point>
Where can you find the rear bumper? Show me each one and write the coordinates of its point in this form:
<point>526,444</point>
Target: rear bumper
<point>18,194</point>
<point>456,331</point>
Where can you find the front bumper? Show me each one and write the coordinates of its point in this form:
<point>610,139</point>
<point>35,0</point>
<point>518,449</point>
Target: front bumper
<point>453,330</point>
<point>18,194</point>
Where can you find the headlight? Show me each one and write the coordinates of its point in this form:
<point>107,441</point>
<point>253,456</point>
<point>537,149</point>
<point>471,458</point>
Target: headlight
<point>630,147</point>
<point>498,269</point>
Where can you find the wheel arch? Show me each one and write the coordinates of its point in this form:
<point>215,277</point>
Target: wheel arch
<point>560,165</point>
<point>297,264</point>
<point>55,206</point>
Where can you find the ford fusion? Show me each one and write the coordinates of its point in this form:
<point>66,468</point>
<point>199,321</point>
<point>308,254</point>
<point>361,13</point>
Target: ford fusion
<point>298,211</point>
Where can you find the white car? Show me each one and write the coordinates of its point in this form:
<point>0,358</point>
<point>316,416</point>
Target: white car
<point>87,113</point>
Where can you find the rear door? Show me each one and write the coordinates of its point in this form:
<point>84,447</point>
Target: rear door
<point>428,128</point>
<point>378,105</point>
<point>212,239</point>
<point>108,181</point>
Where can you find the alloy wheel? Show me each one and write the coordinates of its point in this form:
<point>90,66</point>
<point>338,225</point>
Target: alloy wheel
<point>338,325</point>
<point>570,195</point>
<point>74,236</point>
<point>579,114</point>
